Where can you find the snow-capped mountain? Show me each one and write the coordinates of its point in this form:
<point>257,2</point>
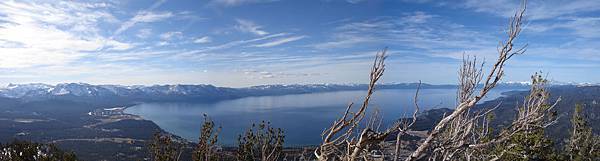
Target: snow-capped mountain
<point>84,91</point>
<point>178,92</point>
<point>574,83</point>
<point>523,83</point>
<point>80,89</point>
<point>20,90</point>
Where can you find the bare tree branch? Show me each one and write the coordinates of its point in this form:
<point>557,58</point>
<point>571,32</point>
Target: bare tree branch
<point>470,75</point>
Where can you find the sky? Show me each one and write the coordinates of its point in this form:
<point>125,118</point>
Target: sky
<point>238,43</point>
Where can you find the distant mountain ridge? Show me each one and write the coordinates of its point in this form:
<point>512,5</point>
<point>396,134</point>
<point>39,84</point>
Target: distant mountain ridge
<point>181,92</point>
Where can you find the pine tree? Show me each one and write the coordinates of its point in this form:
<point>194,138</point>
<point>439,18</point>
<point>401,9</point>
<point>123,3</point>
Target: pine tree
<point>583,145</point>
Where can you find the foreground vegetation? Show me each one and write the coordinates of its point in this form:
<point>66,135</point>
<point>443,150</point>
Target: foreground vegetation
<point>26,151</point>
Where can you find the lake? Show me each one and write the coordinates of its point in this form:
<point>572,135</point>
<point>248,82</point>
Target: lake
<point>302,116</point>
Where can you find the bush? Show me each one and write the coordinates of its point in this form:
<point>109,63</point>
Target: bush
<point>261,142</point>
<point>25,151</point>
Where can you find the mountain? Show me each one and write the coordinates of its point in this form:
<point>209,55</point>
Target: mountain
<point>84,91</point>
<point>570,95</point>
<point>180,92</point>
<point>20,90</point>
<point>586,95</point>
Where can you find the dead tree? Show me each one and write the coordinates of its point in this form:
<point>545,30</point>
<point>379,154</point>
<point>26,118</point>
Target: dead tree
<point>469,79</point>
<point>344,140</point>
<point>468,137</point>
<point>206,149</point>
<point>404,125</point>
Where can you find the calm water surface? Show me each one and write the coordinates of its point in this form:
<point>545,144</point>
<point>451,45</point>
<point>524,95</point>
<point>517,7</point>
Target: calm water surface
<point>303,117</point>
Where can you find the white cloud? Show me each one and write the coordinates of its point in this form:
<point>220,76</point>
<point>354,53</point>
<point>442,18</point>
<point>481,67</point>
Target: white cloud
<point>560,8</point>
<point>151,16</point>
<point>267,76</point>
<point>202,40</point>
<point>577,52</point>
<point>536,10</point>
<point>354,1</point>
<point>417,1</point>
<point>256,74</point>
<point>163,43</point>
<point>239,42</point>
<point>345,40</point>
<point>250,27</point>
<point>505,8</point>
<point>418,31</point>
<point>419,17</point>
<point>280,41</point>
<point>144,33</point>
<point>171,35</point>
<point>143,17</point>
<point>137,54</point>
<point>239,2</point>
<point>38,34</point>
<point>116,45</point>
<point>583,27</point>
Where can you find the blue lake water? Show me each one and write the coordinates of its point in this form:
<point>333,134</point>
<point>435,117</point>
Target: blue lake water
<point>303,116</point>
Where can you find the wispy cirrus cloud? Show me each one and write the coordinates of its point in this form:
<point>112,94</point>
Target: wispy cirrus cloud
<point>536,10</point>
<point>343,40</point>
<point>239,43</point>
<point>144,33</point>
<point>582,27</point>
<point>37,33</point>
<point>255,74</point>
<point>249,27</point>
<point>572,25</point>
<point>202,40</point>
<point>171,35</point>
<point>417,31</point>
<point>354,1</point>
<point>239,2</point>
<point>280,41</point>
<point>143,17</point>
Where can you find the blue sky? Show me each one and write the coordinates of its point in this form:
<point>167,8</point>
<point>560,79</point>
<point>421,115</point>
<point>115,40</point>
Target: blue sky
<point>251,42</point>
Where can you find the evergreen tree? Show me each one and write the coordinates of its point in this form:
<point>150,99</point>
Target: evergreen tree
<point>583,145</point>
<point>26,151</point>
